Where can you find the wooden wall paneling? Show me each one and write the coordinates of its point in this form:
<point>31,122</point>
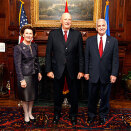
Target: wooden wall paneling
<point>42,34</point>
<point>117,87</point>
<point>120,14</point>
<point>13,33</point>
<point>3,11</point>
<point>128,31</point>
<point>120,20</point>
<point>14,19</point>
<point>122,54</point>
<point>128,20</point>
<point>6,4</point>
<point>3,61</point>
<point>2,7</point>
<point>86,34</point>
<point>10,63</point>
<point>2,36</point>
<point>2,27</point>
<point>112,13</point>
<point>127,60</point>
<point>12,12</point>
<point>4,20</point>
<point>41,50</point>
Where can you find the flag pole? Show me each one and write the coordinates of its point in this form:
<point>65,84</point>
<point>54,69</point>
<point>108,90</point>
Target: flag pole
<point>107,3</point>
<point>107,17</point>
<point>20,10</point>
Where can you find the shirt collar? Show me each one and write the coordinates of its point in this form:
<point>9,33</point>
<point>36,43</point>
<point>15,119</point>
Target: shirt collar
<point>64,32</point>
<point>104,36</point>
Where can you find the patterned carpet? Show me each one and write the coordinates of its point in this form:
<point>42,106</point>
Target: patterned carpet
<point>12,119</point>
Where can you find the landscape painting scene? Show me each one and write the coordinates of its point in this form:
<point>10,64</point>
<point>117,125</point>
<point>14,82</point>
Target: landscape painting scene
<point>81,10</point>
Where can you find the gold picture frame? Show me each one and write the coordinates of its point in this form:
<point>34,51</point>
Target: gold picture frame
<point>36,20</point>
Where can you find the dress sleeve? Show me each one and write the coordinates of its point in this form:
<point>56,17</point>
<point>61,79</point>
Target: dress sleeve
<point>17,62</point>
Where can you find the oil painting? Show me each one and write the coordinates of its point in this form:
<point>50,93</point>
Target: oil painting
<point>47,13</point>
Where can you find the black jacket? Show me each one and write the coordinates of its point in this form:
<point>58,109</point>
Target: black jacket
<point>108,64</point>
<point>26,63</point>
<point>60,54</point>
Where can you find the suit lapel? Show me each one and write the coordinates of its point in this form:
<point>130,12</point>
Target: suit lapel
<point>107,44</point>
<point>96,46</point>
<point>61,37</point>
<point>69,37</point>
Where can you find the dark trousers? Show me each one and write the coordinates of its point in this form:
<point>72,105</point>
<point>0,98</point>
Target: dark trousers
<point>59,97</point>
<point>96,92</point>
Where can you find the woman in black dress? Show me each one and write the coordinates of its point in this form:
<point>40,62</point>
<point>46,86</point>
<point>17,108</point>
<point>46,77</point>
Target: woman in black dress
<point>27,70</point>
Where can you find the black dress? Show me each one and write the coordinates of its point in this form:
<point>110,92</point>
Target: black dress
<point>30,92</point>
<point>27,68</point>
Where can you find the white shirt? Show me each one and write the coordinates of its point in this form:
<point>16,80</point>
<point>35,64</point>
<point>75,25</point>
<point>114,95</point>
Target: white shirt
<point>64,32</point>
<point>103,39</point>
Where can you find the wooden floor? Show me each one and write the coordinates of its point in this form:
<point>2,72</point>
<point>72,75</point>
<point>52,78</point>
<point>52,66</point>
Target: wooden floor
<point>116,103</point>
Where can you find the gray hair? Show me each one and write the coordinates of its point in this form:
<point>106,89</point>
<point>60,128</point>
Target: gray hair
<point>100,20</point>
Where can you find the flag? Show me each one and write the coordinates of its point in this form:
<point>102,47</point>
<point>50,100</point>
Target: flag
<point>107,17</point>
<point>65,89</point>
<point>66,7</point>
<point>22,19</point>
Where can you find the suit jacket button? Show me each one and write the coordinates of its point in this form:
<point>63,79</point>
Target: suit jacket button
<point>65,61</point>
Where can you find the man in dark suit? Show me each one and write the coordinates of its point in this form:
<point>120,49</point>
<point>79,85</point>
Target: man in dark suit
<point>64,58</point>
<point>101,68</point>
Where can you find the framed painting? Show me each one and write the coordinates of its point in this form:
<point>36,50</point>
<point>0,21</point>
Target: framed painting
<point>47,13</point>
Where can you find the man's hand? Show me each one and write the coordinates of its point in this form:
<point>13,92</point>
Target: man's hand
<point>23,84</point>
<point>86,76</point>
<point>80,74</point>
<point>39,76</point>
<point>50,75</point>
<point>113,79</point>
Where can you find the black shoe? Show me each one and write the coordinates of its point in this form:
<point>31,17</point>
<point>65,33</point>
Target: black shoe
<point>102,121</point>
<point>27,122</point>
<point>34,120</point>
<point>90,120</point>
<point>56,119</point>
<point>73,120</point>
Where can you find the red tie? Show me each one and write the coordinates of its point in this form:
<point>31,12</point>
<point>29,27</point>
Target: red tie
<point>101,47</point>
<point>65,36</point>
<point>65,90</point>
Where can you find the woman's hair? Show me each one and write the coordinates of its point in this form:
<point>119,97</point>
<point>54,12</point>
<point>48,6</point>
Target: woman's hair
<point>28,26</point>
